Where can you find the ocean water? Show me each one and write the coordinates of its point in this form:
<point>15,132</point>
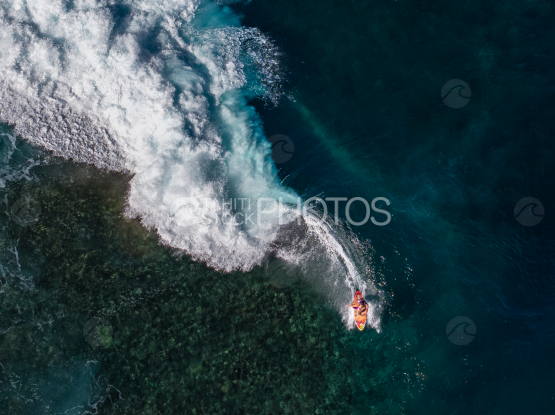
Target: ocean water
<point>138,137</point>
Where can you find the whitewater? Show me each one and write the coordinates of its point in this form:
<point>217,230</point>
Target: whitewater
<point>159,89</point>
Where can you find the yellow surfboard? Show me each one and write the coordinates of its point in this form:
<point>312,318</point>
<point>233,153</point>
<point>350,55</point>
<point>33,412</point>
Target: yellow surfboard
<point>360,320</point>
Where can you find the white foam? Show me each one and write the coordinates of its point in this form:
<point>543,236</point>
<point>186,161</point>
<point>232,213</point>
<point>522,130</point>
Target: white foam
<point>155,88</point>
<point>82,85</point>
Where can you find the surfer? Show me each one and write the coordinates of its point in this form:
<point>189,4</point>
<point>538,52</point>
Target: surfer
<point>361,309</point>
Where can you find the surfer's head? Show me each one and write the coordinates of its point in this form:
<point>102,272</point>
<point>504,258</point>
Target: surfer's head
<point>358,296</point>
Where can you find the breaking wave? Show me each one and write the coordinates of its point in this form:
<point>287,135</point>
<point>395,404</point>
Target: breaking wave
<point>158,88</point>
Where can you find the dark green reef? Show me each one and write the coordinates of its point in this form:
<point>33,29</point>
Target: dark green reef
<point>97,316</point>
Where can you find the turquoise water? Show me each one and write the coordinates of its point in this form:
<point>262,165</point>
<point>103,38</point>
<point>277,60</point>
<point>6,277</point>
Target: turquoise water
<point>111,312</point>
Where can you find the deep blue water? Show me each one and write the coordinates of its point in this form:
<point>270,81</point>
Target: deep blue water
<point>371,74</point>
<point>363,107</point>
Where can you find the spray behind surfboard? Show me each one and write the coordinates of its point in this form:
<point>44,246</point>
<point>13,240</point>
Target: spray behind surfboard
<point>330,256</point>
